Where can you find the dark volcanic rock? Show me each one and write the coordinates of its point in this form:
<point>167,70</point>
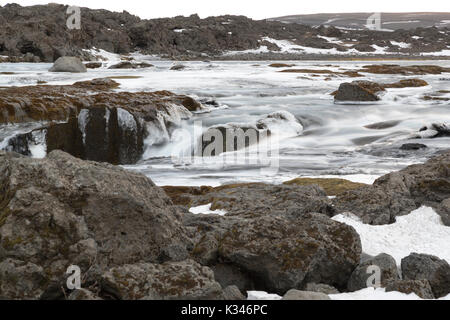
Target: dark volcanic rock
<point>62,211</point>
<point>131,65</point>
<point>39,33</point>
<point>185,280</point>
<point>363,90</point>
<point>413,146</point>
<point>304,295</point>
<point>425,267</point>
<point>358,91</point>
<point>360,275</point>
<point>421,288</point>
<point>278,252</point>
<point>435,130</point>
<point>178,67</point>
<point>93,65</point>
<point>258,199</point>
<point>401,192</point>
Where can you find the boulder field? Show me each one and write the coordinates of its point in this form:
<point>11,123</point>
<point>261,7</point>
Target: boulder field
<point>131,241</point>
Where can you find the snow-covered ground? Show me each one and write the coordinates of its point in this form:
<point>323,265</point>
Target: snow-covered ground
<point>421,231</point>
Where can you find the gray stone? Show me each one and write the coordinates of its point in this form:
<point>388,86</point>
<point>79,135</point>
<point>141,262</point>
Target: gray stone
<point>426,267</point>
<point>322,288</point>
<point>233,293</point>
<point>421,288</point>
<point>68,64</point>
<point>185,280</point>
<point>278,253</point>
<point>304,295</point>
<point>83,294</point>
<point>388,268</point>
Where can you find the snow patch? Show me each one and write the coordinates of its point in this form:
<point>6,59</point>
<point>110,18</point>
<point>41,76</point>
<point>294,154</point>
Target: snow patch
<point>421,231</point>
<point>206,209</point>
<point>83,119</point>
<point>126,120</point>
<point>374,294</point>
<point>261,295</point>
<point>38,145</point>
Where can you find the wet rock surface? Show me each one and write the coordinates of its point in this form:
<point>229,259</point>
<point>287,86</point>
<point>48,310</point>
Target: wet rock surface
<point>104,126</point>
<point>367,91</point>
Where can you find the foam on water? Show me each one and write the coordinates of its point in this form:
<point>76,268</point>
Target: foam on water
<point>328,139</point>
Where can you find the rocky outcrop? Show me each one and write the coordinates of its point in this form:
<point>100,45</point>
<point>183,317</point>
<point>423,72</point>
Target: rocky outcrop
<point>104,126</point>
<point>63,211</point>
<point>425,267</point>
<point>68,64</point>
<point>386,264</point>
<point>401,192</point>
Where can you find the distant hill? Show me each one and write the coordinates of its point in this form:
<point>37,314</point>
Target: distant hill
<point>392,21</point>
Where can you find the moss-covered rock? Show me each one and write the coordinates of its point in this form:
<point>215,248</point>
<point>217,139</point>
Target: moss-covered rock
<point>331,186</point>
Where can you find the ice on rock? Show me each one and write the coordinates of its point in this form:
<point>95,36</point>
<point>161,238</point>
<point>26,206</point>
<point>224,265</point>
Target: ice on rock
<point>83,119</point>
<point>126,120</point>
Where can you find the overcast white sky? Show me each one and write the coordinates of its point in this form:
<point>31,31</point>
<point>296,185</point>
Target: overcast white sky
<point>257,9</point>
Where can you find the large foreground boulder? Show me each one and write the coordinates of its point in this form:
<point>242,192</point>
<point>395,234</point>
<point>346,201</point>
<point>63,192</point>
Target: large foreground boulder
<point>277,252</point>
<point>425,267</point>
<point>68,64</point>
<point>62,211</point>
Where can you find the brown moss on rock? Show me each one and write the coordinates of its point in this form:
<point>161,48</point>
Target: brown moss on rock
<point>281,65</point>
<point>331,186</point>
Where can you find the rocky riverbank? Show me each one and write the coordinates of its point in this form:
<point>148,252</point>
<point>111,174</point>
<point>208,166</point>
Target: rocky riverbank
<point>39,33</point>
<point>132,242</point>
